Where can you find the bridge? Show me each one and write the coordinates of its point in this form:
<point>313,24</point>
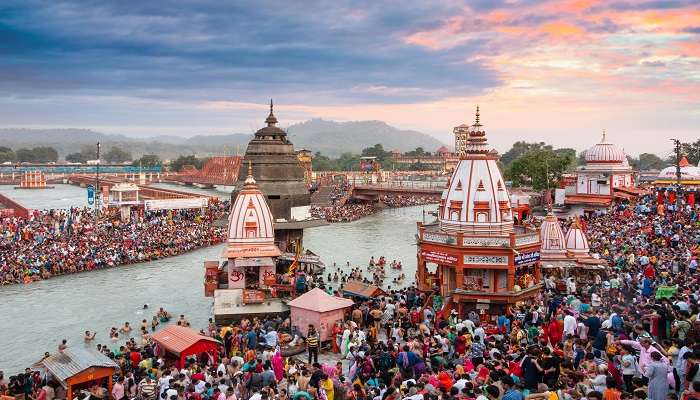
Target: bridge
<point>373,193</point>
<point>220,170</point>
<point>145,192</point>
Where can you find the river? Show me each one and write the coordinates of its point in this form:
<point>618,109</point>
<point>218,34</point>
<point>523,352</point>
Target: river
<point>36,317</point>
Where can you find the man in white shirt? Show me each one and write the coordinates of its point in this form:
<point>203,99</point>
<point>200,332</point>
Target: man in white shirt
<point>569,325</point>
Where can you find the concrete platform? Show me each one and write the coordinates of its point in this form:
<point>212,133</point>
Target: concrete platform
<point>229,307</point>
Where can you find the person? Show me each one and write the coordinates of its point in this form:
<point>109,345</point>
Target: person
<point>89,336</point>
<point>147,388</point>
<point>118,390</point>
<point>313,341</point>
<point>657,374</point>
<point>63,345</point>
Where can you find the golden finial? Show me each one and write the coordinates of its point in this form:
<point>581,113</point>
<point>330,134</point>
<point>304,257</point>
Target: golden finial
<point>250,168</point>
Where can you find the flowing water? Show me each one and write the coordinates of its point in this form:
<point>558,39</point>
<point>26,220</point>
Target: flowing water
<point>34,318</point>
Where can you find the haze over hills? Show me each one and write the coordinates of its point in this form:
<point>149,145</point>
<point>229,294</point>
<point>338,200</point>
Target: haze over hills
<point>329,137</point>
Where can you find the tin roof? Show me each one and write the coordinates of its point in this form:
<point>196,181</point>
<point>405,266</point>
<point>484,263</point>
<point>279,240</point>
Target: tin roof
<point>358,288</point>
<point>177,339</point>
<point>73,361</point>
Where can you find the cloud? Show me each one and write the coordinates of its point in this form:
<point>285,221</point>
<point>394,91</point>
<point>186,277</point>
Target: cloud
<point>182,64</point>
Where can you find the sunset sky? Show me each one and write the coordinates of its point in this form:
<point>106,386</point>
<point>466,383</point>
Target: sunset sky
<point>553,71</point>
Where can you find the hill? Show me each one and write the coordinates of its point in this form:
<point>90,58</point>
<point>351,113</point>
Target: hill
<point>329,137</point>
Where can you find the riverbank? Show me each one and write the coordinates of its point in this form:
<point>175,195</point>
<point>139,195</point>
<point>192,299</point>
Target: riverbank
<point>350,212</point>
<point>64,242</point>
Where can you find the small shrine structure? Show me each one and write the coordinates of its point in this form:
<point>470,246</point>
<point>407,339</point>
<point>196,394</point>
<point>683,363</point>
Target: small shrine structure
<point>33,180</point>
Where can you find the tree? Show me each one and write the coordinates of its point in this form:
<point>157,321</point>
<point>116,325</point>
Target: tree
<point>321,162</point>
<point>6,154</point>
<point>519,148</point>
<point>181,161</point>
<point>41,154</point>
<point>76,158</point>
<point>649,161</point>
<point>148,161</point>
<point>540,168</point>
<point>116,155</point>
<point>377,151</point>
<point>691,151</point>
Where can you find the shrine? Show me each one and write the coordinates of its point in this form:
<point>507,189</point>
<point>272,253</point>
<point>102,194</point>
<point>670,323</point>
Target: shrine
<point>668,186</point>
<point>606,175</point>
<point>33,180</point>
<point>474,256</point>
<point>566,255</point>
<point>244,282</point>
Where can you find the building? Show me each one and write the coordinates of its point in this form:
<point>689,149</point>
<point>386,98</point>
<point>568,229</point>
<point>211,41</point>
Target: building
<point>474,255</point>
<point>605,176</point>
<point>668,185</point>
<point>277,169</point>
<point>281,177</point>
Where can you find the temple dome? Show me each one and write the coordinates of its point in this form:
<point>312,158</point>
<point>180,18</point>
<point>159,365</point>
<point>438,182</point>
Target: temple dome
<point>576,242</point>
<point>251,228</point>
<point>552,236</point>
<point>688,171</point>
<point>476,200</point>
<point>605,152</point>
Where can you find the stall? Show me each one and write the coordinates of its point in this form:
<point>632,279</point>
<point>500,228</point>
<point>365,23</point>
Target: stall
<point>76,367</point>
<point>320,309</point>
<point>182,342</point>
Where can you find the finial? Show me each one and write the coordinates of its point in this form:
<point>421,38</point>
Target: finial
<point>250,168</point>
<point>477,114</point>
<point>603,136</point>
<point>271,120</point>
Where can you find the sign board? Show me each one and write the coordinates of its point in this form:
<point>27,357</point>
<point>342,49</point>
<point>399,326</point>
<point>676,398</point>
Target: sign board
<point>176,204</point>
<point>438,238</point>
<point>253,296</point>
<point>90,194</point>
<point>439,257</point>
<point>527,258</point>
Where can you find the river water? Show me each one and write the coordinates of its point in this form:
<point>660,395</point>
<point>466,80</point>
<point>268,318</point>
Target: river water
<point>36,317</point>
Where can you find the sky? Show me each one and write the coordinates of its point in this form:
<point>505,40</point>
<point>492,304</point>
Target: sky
<point>554,71</point>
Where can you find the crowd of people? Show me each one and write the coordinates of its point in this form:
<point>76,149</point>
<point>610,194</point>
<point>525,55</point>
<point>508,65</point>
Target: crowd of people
<point>58,242</point>
<point>343,213</point>
<point>630,332</point>
<point>396,201</point>
<point>348,212</point>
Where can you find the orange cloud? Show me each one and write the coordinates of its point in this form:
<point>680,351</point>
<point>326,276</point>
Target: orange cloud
<point>561,29</point>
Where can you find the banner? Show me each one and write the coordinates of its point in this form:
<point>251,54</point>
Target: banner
<point>176,204</point>
<point>236,277</point>
<point>439,257</point>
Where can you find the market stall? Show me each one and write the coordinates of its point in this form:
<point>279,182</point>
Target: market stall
<point>77,368</point>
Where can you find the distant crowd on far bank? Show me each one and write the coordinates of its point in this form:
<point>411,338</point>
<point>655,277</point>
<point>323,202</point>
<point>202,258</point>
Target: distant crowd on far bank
<point>58,242</point>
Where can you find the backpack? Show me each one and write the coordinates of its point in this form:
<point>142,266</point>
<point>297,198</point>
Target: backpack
<point>385,361</point>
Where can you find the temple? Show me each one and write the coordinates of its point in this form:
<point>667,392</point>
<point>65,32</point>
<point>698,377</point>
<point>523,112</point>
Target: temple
<point>474,255</point>
<point>606,175</point>
<point>281,177</point>
<point>248,274</point>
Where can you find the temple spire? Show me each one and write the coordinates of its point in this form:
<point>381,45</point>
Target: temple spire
<point>250,180</point>
<point>477,116</point>
<point>271,120</point>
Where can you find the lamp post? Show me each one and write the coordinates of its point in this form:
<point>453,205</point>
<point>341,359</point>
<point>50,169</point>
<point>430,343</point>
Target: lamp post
<point>98,193</point>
